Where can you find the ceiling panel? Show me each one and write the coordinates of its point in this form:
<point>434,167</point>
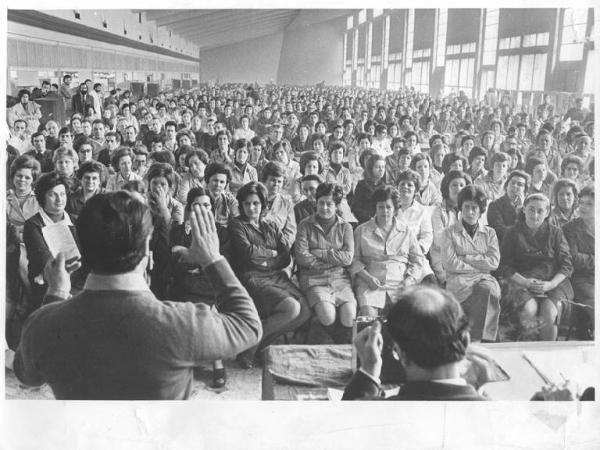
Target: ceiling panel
<point>210,28</point>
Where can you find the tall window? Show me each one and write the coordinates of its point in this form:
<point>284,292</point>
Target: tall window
<point>410,37</point>
<point>441,38</point>
<point>487,81</point>
<point>526,70</point>
<point>386,41</point>
<point>374,80</point>
<point>460,68</point>
<point>492,18</point>
<point>420,70</point>
<point>459,76</point>
<point>573,34</point>
<point>591,68</point>
<point>394,76</point>
<point>360,76</point>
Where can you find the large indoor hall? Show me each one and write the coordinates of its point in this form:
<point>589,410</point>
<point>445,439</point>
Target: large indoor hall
<point>300,204</point>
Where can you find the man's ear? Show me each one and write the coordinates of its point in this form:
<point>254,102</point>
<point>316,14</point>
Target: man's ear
<point>147,245</point>
<point>399,355</point>
<point>467,339</point>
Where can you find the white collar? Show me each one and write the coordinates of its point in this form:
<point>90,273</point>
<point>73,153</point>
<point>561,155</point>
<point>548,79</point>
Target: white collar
<point>130,281</point>
<point>48,221</point>
<point>456,381</point>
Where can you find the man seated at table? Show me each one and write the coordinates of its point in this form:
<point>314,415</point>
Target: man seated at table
<point>115,340</point>
<point>431,335</point>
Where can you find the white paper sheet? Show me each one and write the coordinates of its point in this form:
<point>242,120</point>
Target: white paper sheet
<point>59,239</point>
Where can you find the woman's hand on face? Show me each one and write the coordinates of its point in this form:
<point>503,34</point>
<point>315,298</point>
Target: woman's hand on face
<point>158,198</point>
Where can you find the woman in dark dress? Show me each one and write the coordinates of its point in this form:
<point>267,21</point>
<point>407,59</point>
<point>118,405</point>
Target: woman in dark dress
<point>374,178</point>
<point>535,259</point>
<point>261,252</point>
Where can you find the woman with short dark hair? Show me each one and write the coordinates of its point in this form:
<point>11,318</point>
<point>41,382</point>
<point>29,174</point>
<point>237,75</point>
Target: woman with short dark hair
<point>444,215</point>
<point>225,206</point>
<point>502,212</point>
<point>122,163</point>
<point>477,162</point>
<point>469,254</point>
<point>282,153</point>
<point>51,192</point>
<point>374,178</point>
<point>428,193</point>
<point>92,176</point>
<point>387,255</point>
<point>261,252</point>
<point>195,162</point>
<point>278,208</point>
<point>542,179</point>
<point>167,212</point>
<point>337,173</point>
<point>324,250</point>
<point>241,172</point>
<point>565,196</point>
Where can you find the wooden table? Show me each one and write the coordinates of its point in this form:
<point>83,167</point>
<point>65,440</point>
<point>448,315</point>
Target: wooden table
<point>524,380</point>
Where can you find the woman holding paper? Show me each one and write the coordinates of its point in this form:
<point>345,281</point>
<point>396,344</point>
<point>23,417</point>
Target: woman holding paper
<point>43,236</point>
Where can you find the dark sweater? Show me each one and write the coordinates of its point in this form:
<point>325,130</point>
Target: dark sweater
<point>127,345</point>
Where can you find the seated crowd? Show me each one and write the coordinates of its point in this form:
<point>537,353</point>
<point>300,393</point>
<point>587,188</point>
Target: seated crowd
<point>327,202</point>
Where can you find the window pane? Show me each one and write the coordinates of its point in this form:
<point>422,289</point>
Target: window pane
<point>512,75</point>
<point>470,70</point>
<point>571,52</point>
<point>526,73</point>
<point>529,40</point>
<point>464,67</point>
<point>362,16</point>
<point>502,72</point>
<point>539,72</point>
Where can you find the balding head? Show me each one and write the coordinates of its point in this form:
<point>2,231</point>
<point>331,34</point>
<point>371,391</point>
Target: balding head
<point>430,327</point>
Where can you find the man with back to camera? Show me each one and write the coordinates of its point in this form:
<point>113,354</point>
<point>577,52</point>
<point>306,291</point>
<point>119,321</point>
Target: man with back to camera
<point>115,340</point>
<point>431,335</point>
